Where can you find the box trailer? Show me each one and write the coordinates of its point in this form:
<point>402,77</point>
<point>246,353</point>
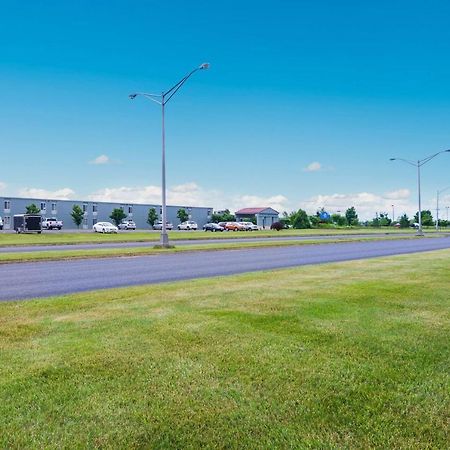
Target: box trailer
<point>28,223</point>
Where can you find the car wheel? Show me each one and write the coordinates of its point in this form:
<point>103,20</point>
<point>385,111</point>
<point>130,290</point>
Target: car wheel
<point>103,230</point>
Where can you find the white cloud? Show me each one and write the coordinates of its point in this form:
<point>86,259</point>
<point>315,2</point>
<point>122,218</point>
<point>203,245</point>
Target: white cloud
<point>277,202</point>
<point>399,194</point>
<point>2,186</point>
<point>134,194</point>
<point>59,194</point>
<point>313,167</point>
<point>100,160</point>
<point>366,203</point>
<point>187,194</point>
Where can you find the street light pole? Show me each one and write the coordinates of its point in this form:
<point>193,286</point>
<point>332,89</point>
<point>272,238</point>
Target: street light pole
<point>393,215</point>
<point>419,164</point>
<point>162,99</point>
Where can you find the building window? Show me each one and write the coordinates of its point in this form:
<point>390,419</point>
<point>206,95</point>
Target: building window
<point>84,207</point>
<point>94,221</point>
<point>53,207</point>
<point>94,207</point>
<point>160,210</point>
<point>7,221</point>
<point>7,205</point>
<point>85,221</point>
<point>122,207</point>
<point>130,209</point>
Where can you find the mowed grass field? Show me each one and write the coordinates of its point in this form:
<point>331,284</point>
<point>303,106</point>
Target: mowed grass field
<point>55,237</point>
<point>348,355</point>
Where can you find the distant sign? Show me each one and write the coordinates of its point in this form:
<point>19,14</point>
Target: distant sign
<point>324,215</point>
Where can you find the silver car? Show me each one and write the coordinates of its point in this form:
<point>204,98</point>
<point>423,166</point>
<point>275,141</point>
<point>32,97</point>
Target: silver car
<point>158,225</point>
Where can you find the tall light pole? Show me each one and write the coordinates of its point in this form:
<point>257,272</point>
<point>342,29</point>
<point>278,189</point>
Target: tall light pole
<point>419,164</point>
<point>393,215</point>
<point>437,206</point>
<point>162,100</point>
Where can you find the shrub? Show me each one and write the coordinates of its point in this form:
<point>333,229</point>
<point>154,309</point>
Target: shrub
<point>276,226</point>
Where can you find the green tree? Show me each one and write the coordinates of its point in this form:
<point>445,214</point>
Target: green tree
<point>32,209</point>
<point>77,215</point>
<point>314,221</point>
<point>152,216</point>
<point>300,220</point>
<point>375,222</point>
<point>404,221</point>
<point>226,216</point>
<point>339,220</point>
<point>182,215</point>
<point>351,216</point>
<point>385,220</point>
<point>117,216</point>
<point>427,218</point>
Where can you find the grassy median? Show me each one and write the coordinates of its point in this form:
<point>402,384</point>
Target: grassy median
<point>60,238</point>
<point>348,355</point>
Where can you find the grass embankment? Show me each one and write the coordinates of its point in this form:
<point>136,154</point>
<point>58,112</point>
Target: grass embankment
<point>56,255</point>
<point>60,238</point>
<point>349,355</point>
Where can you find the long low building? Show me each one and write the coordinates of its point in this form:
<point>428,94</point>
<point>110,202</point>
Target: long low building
<point>96,211</point>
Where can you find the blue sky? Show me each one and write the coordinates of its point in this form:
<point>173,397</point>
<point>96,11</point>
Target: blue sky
<point>338,87</point>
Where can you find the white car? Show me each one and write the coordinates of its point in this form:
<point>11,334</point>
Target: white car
<point>1,223</point>
<point>127,225</point>
<point>51,223</point>
<point>189,225</point>
<point>158,225</point>
<point>105,227</point>
<point>249,226</point>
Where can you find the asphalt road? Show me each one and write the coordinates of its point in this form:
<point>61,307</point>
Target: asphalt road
<point>43,279</point>
<point>43,248</point>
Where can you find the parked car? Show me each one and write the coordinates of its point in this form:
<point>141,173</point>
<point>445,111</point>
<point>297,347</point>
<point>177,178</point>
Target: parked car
<point>158,225</point>
<point>249,226</point>
<point>127,224</point>
<point>189,225</point>
<point>52,223</point>
<point>105,227</point>
<point>1,223</point>
<point>212,227</point>
<point>233,226</point>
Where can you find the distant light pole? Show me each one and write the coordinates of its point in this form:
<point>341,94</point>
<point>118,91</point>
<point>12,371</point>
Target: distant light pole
<point>162,99</point>
<point>393,215</point>
<point>437,206</point>
<point>447,212</point>
<point>419,164</point>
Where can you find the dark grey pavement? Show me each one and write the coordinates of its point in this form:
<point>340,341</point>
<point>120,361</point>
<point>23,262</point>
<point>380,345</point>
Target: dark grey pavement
<point>42,279</point>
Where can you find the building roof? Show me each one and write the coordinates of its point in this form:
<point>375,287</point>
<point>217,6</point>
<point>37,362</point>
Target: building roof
<point>266,210</point>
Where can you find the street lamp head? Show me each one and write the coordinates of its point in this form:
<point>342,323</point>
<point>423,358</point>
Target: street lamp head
<point>205,66</point>
<point>132,96</point>
<point>392,159</point>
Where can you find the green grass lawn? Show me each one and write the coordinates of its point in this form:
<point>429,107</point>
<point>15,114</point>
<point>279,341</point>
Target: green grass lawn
<point>57,238</point>
<point>348,355</point>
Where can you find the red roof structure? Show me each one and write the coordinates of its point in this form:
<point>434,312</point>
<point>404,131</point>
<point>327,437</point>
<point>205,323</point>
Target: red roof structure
<point>254,210</point>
